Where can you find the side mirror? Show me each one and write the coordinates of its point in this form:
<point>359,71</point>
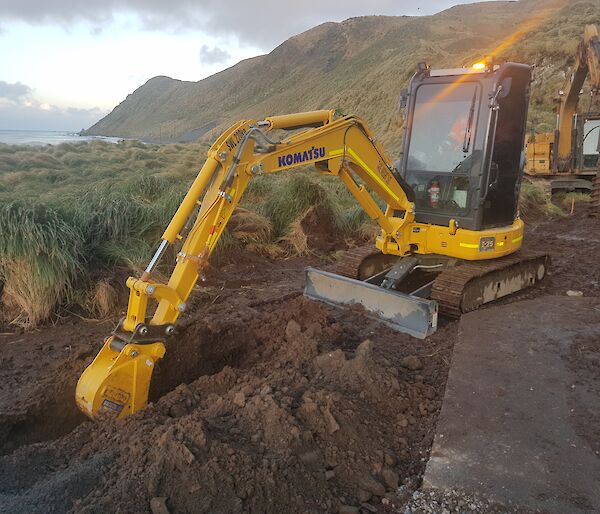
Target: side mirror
<point>404,98</point>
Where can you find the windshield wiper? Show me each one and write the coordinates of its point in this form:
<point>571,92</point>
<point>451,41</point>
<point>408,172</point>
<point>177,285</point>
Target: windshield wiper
<point>467,138</point>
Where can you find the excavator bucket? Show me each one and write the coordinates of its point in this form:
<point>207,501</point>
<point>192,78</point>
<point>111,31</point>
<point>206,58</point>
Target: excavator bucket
<point>402,312</point>
<point>116,384</point>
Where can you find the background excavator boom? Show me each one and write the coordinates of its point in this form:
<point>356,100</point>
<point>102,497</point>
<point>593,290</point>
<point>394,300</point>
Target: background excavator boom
<point>587,64</point>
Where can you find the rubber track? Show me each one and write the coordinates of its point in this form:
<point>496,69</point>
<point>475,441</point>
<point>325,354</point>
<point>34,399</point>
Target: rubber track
<point>451,285</point>
<point>349,264</point>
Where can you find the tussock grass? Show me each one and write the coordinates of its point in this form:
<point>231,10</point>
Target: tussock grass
<point>296,239</point>
<point>89,207</point>
<point>246,229</point>
<point>250,227</point>
<point>574,196</point>
<point>102,207</point>
<point>535,201</point>
<point>358,225</point>
<point>294,197</point>
<point>41,255</point>
<point>103,300</point>
<point>80,207</point>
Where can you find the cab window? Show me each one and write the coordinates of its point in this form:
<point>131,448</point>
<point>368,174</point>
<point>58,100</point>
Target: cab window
<point>441,150</point>
<point>591,143</point>
<point>443,127</point>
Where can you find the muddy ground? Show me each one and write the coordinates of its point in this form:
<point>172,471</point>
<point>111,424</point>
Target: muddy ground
<point>265,401</point>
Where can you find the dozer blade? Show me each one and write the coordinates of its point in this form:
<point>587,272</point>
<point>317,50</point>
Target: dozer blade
<point>404,313</point>
<point>117,382</point>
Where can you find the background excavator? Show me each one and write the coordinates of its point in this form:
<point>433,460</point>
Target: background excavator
<point>450,230</point>
<point>568,157</point>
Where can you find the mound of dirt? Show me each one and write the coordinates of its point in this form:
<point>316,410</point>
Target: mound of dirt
<point>304,413</point>
<point>321,233</point>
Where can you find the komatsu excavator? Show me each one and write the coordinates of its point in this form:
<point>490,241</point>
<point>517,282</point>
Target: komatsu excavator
<point>450,230</point>
<point>568,157</point>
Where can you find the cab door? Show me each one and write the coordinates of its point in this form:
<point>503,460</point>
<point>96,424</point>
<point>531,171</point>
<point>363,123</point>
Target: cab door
<point>500,191</point>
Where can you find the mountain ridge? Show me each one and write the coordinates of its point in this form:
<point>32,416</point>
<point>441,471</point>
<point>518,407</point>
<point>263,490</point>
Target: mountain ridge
<point>358,65</point>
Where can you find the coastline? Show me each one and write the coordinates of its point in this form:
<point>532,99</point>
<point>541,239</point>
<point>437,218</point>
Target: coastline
<point>49,137</point>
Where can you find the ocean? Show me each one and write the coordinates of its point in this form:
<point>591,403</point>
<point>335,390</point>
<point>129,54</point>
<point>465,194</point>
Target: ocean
<point>47,137</point>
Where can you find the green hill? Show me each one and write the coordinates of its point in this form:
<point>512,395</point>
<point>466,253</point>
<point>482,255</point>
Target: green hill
<point>359,66</point>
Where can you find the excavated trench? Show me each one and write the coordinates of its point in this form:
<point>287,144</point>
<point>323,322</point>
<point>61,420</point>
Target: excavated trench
<point>37,396</point>
<point>199,348</point>
<point>47,422</point>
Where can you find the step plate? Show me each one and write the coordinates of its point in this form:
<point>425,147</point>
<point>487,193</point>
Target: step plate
<point>401,312</point>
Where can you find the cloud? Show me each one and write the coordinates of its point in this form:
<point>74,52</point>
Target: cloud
<point>214,55</point>
<point>14,92</point>
<point>43,116</point>
<point>263,23</point>
<point>20,110</point>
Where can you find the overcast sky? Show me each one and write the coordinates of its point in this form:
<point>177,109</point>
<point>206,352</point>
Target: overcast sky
<point>66,63</point>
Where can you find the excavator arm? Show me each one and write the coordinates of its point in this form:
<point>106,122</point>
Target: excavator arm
<point>587,64</point>
<point>117,382</point>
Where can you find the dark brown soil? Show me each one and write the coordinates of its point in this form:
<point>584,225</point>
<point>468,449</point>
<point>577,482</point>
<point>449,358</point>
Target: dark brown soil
<point>38,374</point>
<point>573,243</point>
<point>320,230</point>
<point>265,401</point>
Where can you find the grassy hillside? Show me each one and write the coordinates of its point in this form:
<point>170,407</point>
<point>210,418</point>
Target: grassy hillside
<point>72,214</point>
<point>359,66</point>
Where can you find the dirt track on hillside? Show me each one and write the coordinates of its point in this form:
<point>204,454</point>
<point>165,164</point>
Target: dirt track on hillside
<point>265,401</point>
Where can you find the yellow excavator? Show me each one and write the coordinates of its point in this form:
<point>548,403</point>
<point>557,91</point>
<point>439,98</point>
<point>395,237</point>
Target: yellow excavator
<point>568,157</point>
<point>450,230</point>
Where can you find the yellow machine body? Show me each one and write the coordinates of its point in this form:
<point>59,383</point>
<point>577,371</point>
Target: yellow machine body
<point>464,244</point>
<point>117,382</point>
<point>539,153</point>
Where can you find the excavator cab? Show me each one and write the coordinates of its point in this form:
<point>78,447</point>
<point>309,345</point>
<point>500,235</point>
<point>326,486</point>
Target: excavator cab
<point>462,151</point>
